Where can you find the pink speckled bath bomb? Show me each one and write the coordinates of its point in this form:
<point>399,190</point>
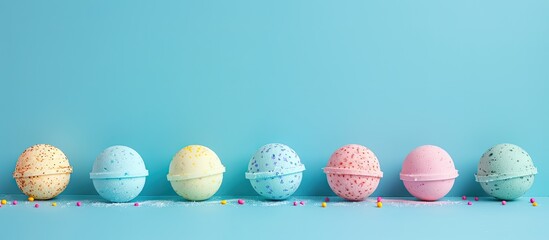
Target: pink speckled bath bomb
<point>353,172</point>
<point>428,173</point>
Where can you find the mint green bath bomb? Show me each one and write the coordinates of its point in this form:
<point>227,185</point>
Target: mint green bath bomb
<point>506,171</point>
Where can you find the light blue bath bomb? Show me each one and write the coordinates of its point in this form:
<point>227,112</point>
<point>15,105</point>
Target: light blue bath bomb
<point>119,174</point>
<point>275,171</point>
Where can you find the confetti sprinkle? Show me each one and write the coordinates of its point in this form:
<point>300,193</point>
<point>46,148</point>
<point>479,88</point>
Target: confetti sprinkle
<point>37,205</point>
<point>464,197</point>
<point>323,204</point>
<point>295,203</point>
<point>476,198</point>
<point>535,204</point>
<point>136,204</point>
<point>4,202</point>
<point>302,203</point>
<point>379,199</point>
<point>379,204</point>
<point>53,204</point>
<point>327,199</point>
<point>31,199</point>
<point>14,202</point>
<point>223,202</point>
<point>78,204</point>
<point>503,202</point>
<point>240,201</point>
<point>469,203</point>
<point>532,200</point>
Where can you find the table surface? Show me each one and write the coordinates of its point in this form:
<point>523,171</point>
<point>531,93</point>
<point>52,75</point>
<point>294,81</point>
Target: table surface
<point>170,217</point>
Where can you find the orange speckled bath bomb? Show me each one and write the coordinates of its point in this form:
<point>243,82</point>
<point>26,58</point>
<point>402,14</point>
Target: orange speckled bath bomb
<point>42,171</point>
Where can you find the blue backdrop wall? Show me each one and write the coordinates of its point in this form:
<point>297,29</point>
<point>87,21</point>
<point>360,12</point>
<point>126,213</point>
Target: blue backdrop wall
<point>234,75</point>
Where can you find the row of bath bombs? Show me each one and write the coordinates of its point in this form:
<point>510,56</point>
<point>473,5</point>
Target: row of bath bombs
<point>505,171</point>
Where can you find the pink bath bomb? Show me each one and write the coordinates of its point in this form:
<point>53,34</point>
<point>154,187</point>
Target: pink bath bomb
<point>353,172</point>
<point>428,173</point>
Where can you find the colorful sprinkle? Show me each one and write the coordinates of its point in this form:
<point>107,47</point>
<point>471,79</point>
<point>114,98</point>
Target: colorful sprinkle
<point>302,203</point>
<point>136,204</point>
<point>31,199</point>
<point>295,203</point>
<point>53,204</point>
<point>323,204</point>
<point>78,204</point>
<point>223,202</point>
<point>532,200</point>
<point>37,205</point>
<point>4,202</point>
<point>476,198</point>
<point>469,203</point>
<point>379,199</point>
<point>379,204</point>
<point>463,197</point>
<point>240,201</point>
<point>327,199</point>
<point>503,202</point>
<point>14,202</point>
<point>535,204</point>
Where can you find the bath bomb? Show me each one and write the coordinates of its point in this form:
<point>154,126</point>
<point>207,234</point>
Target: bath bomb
<point>353,172</point>
<point>42,171</point>
<point>196,173</point>
<point>119,174</point>
<point>275,171</point>
<point>428,173</point>
<point>506,171</point>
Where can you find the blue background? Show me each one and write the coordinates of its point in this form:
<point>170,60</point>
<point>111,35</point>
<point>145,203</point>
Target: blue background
<point>234,75</point>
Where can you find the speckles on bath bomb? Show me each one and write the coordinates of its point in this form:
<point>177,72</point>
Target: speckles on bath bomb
<point>42,171</point>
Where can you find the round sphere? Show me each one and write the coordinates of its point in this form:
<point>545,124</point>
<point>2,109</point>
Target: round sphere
<point>275,171</point>
<point>506,171</point>
<point>196,173</point>
<point>119,174</point>
<point>428,173</point>
<point>353,172</point>
<point>42,171</point>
